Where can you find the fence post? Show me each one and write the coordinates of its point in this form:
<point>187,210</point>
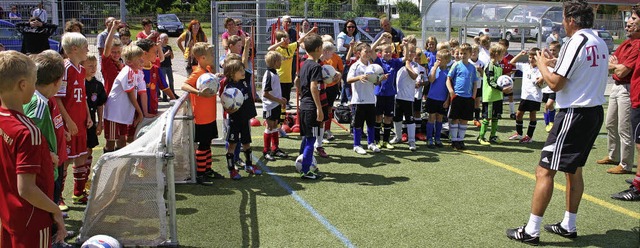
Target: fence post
<point>123,11</point>
<point>214,32</point>
<point>306,9</point>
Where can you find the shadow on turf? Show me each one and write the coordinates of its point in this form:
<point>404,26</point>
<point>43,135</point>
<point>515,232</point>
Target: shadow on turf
<point>612,238</point>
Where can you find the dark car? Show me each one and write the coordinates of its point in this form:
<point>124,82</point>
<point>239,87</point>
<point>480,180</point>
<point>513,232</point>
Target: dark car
<point>606,36</point>
<point>170,24</point>
<point>12,39</point>
<point>370,25</point>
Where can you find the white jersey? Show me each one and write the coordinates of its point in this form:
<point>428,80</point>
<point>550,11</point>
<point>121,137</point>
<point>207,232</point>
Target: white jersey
<point>362,92</point>
<point>530,91</point>
<point>546,89</point>
<point>118,108</point>
<point>271,84</point>
<point>476,64</point>
<point>423,78</point>
<point>484,57</point>
<point>405,85</point>
<point>584,63</point>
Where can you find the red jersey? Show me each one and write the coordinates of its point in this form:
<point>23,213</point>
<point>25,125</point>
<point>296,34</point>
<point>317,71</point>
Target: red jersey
<point>58,126</point>
<point>73,93</point>
<point>506,66</point>
<point>154,79</point>
<point>110,70</point>
<point>634,93</point>
<point>23,150</point>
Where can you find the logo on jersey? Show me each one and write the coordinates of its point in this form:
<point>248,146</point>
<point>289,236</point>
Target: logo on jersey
<point>593,56</point>
<point>6,137</point>
<point>57,121</point>
<point>75,83</point>
<point>77,94</point>
<point>94,97</point>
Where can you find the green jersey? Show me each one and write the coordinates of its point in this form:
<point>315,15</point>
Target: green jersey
<point>38,110</point>
<point>491,92</point>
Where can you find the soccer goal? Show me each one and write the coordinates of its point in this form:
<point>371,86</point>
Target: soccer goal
<point>132,194</point>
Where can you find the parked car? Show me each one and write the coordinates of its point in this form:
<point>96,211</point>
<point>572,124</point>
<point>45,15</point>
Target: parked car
<point>12,39</point>
<point>170,24</point>
<point>606,36</point>
<point>371,25</point>
<point>494,33</point>
<point>516,33</point>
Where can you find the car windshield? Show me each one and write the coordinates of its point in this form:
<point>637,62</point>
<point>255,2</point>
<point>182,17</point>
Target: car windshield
<point>547,23</point>
<point>168,18</point>
<point>374,23</point>
<point>604,35</point>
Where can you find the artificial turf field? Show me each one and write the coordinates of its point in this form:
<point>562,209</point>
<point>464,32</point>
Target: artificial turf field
<point>397,198</point>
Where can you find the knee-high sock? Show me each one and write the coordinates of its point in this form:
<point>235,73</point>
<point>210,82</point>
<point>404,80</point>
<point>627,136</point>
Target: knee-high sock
<point>267,140</point>
<point>430,126</point>
<point>376,131</point>
<point>398,128</point>
<point>87,187</point>
<point>275,140</point>
<point>546,117</point>
<point>201,160</point>
<point>319,136</point>
<point>79,178</point>
<point>327,124</point>
<point>357,135</point>
<point>247,157</point>
<point>519,127</point>
<point>64,177</point>
<point>419,126</point>
<point>387,132</point>
<point>552,115</point>
<point>453,132</point>
<point>512,107</point>
<point>236,153</point>
<point>370,138</point>
<point>303,144</point>
<point>532,128</point>
<point>422,123</point>
<point>411,132</point>
<point>307,154</point>
<point>438,131</point>
<point>483,128</point>
<point>462,130</point>
<point>494,127</point>
<point>229,158</point>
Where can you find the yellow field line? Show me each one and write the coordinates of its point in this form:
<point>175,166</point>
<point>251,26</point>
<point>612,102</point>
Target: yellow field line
<point>556,185</point>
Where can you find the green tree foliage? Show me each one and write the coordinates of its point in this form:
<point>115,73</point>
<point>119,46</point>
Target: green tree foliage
<point>408,13</point>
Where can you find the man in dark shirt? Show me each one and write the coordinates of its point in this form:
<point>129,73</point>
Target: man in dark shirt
<point>35,35</point>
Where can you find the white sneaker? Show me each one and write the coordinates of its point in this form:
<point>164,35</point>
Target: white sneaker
<point>412,145</point>
<point>395,140</point>
<point>359,150</point>
<point>374,148</point>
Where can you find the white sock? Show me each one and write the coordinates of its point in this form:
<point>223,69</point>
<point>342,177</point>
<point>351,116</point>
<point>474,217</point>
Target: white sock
<point>569,221</point>
<point>512,107</point>
<point>533,226</point>
<point>411,132</point>
<point>462,130</point>
<point>453,132</point>
<point>319,137</point>
<point>398,127</point>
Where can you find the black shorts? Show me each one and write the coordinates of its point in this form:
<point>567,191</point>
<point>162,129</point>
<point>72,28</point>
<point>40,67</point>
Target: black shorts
<point>435,107</point>
<point>362,113</point>
<point>273,114</point>
<point>403,109</point>
<point>92,137</point>
<point>635,124</point>
<point>462,108</point>
<point>332,93</point>
<point>571,138</point>
<point>206,132</point>
<point>309,125</point>
<point>528,105</point>
<point>417,105</point>
<point>547,96</point>
<point>385,105</point>
<point>493,109</point>
<point>239,131</point>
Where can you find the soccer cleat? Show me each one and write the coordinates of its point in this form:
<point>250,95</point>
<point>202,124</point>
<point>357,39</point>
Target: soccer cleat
<point>461,146</point>
<point>63,206</point>
<point>421,137</point>
<point>395,140</point>
<point>320,151</point>
<point>549,127</point>
<point>233,174</point>
<point>526,139</point>
<point>282,133</point>
<point>518,234</point>
<point>412,146</point>
<point>404,138</point>
<point>310,175</point>
<point>268,156</point>
<point>203,180</point>
<point>211,174</point>
<point>253,170</point>
<point>329,136</point>
<point>629,181</point>
<point>512,116</point>
<point>387,145</point>
<point>65,215</point>
<point>483,141</point>
<point>430,144</point>
<point>326,141</point>
<point>454,145</point>
<point>558,229</point>
<point>495,139</point>
<point>631,194</point>
<point>439,144</point>
<point>359,150</point>
<point>239,163</point>
<point>373,148</point>
<point>280,153</point>
<point>515,136</point>
<point>80,199</point>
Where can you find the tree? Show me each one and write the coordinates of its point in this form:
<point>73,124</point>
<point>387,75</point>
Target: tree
<point>408,11</point>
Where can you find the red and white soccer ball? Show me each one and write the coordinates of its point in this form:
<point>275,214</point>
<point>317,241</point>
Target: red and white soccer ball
<point>232,99</point>
<point>505,81</point>
<point>208,82</point>
<point>374,73</point>
<point>101,241</point>
<point>328,72</point>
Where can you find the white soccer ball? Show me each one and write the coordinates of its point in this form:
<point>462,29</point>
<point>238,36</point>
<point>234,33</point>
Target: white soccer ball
<point>208,82</point>
<point>505,81</point>
<point>374,72</point>
<point>328,72</point>
<point>232,99</point>
<point>314,164</point>
<point>101,241</point>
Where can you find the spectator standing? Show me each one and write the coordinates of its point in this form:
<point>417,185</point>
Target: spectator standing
<point>35,35</point>
<point>349,33</point>
<point>185,42</point>
<point>396,36</point>
<point>147,31</point>
<point>40,12</point>
<point>102,36</point>
<point>14,15</point>
<point>554,36</point>
<point>165,66</point>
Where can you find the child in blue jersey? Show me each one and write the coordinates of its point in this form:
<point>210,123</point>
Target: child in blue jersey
<point>461,83</point>
<point>385,93</point>
<point>437,98</point>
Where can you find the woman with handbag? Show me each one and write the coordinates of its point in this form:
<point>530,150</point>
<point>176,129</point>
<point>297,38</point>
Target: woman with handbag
<point>192,35</point>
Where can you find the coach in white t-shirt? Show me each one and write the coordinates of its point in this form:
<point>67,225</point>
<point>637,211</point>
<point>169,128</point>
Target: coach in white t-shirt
<point>579,80</point>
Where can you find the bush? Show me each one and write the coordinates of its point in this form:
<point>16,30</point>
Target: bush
<point>408,13</point>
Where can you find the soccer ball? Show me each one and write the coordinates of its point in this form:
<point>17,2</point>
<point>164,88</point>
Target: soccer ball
<point>374,72</point>
<point>505,81</point>
<point>208,82</point>
<point>101,241</point>
<point>328,72</point>
<point>232,99</point>
<point>314,164</point>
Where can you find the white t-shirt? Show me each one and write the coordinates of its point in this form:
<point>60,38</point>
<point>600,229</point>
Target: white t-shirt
<point>484,57</point>
<point>546,89</point>
<point>476,64</point>
<point>584,62</point>
<point>361,92</point>
<point>118,108</point>
<point>423,77</point>
<point>530,91</point>
<point>405,85</point>
<point>271,84</point>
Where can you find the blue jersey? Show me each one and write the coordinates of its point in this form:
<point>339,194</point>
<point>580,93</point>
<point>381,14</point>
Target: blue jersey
<point>391,67</point>
<point>463,77</point>
<point>432,57</point>
<point>438,90</point>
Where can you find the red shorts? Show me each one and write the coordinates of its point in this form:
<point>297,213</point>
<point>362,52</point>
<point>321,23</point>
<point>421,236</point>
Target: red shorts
<point>77,146</point>
<point>114,130</point>
<point>37,238</point>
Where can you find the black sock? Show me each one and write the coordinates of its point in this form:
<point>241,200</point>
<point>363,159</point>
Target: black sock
<point>387,132</point>
<point>376,132</point>
<point>519,127</point>
<point>476,113</point>
<point>230,165</point>
<point>532,128</point>
<point>247,157</point>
